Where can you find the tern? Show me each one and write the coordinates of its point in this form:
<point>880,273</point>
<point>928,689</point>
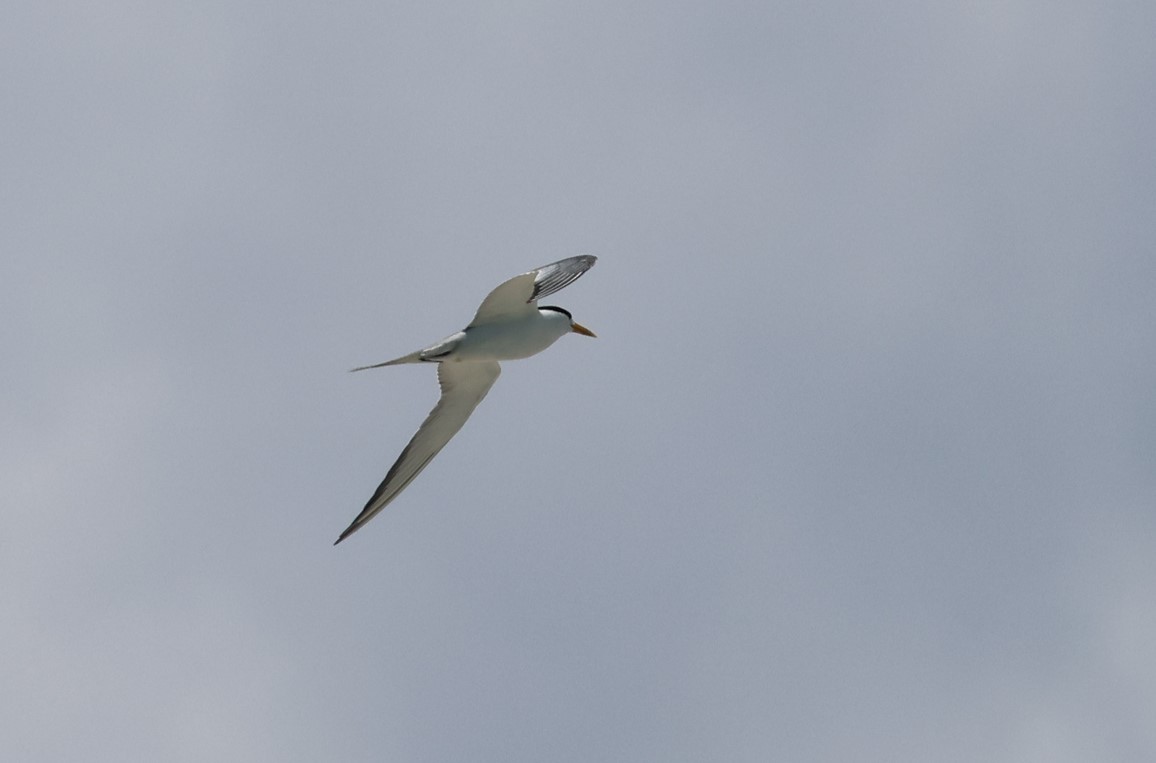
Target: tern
<point>509,325</point>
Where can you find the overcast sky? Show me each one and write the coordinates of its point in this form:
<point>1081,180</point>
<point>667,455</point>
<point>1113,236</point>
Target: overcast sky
<point>862,465</point>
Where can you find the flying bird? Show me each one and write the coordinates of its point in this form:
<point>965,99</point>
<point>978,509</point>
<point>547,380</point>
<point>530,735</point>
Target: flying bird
<point>509,325</point>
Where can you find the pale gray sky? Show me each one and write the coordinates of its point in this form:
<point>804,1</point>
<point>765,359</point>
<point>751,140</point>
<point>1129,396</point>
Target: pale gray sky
<point>861,466</point>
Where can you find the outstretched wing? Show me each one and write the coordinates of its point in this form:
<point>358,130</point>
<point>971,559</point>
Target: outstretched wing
<point>519,293</point>
<point>464,384</point>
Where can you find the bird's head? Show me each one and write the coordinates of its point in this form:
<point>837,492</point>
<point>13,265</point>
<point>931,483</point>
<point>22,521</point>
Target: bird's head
<point>575,328</point>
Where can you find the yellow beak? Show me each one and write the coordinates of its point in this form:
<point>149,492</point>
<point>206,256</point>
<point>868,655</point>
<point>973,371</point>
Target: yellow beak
<point>577,328</point>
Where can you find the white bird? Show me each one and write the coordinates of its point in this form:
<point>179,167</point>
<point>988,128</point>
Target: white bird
<point>509,325</point>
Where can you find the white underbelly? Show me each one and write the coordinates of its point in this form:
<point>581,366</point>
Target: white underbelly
<point>512,340</point>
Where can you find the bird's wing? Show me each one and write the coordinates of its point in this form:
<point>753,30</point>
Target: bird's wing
<point>517,295</point>
<point>464,384</point>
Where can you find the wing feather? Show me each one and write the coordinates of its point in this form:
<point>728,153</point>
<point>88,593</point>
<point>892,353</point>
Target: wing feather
<point>463,384</point>
<point>558,275</point>
<point>517,295</point>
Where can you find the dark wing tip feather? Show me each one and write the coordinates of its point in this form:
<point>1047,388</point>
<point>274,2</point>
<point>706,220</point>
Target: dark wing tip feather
<point>558,275</point>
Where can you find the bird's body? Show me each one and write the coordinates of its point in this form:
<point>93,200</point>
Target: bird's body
<point>509,325</point>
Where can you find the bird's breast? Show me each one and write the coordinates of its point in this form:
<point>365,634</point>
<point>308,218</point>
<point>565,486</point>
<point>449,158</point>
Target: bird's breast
<point>513,339</point>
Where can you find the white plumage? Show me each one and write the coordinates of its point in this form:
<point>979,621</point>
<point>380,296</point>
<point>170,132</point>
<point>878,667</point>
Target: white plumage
<point>509,325</point>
